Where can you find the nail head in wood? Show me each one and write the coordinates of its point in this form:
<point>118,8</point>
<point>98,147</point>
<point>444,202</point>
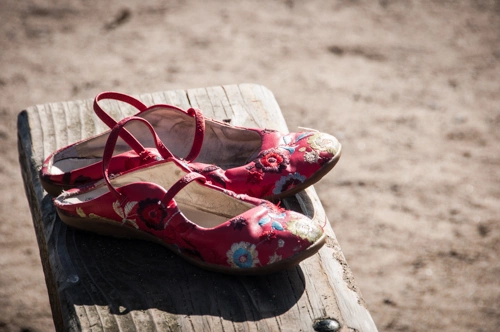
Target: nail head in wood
<point>326,325</point>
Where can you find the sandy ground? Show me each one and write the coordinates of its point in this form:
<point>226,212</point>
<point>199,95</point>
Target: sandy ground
<point>410,88</point>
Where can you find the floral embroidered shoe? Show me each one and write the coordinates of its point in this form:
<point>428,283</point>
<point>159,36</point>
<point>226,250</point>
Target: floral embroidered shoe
<point>259,162</point>
<point>209,226</point>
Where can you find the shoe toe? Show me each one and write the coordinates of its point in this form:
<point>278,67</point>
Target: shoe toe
<point>321,147</point>
<point>303,227</point>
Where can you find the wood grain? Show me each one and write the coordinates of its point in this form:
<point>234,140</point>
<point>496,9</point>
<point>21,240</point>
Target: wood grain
<point>105,284</point>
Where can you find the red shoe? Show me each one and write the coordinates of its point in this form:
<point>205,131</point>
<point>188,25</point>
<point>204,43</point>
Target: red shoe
<point>259,162</point>
<point>211,227</point>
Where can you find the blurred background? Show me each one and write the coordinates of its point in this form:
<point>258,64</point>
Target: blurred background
<point>410,88</point>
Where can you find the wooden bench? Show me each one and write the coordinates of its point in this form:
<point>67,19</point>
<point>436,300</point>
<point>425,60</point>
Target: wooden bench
<point>105,284</point>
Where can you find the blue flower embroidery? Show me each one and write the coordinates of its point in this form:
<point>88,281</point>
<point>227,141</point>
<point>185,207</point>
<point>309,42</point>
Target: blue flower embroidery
<point>288,182</point>
<point>287,140</point>
<point>290,149</point>
<point>270,218</point>
<point>242,258</point>
<point>242,255</point>
<point>264,220</point>
<point>303,135</point>
<point>276,225</point>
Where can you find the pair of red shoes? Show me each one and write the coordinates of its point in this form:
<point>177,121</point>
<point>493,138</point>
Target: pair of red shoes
<point>123,183</point>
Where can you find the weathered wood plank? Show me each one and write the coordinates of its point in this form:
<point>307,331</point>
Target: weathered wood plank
<point>220,104</point>
<point>101,283</point>
<point>259,100</point>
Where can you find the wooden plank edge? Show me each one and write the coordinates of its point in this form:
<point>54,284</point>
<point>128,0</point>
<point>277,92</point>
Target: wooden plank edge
<point>349,299</point>
<point>34,192</point>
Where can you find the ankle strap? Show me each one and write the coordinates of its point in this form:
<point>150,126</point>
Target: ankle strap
<point>111,143</point>
<point>164,152</point>
<point>131,140</point>
<point>110,122</point>
<point>199,134</point>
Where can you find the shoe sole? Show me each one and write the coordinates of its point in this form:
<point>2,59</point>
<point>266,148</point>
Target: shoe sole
<point>52,189</point>
<point>115,229</point>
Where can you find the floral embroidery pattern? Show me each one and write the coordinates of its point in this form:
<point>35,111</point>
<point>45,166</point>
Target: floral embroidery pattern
<point>309,231</point>
<point>272,218</point>
<point>238,223</point>
<point>315,149</point>
<point>287,143</point>
<point>303,135</point>
<point>254,177</point>
<point>274,258</point>
<point>82,214</point>
<point>322,142</point>
<point>311,157</point>
<point>125,212</point>
<point>290,144</point>
<point>272,160</point>
<point>268,235</point>
<point>288,182</point>
<point>242,255</point>
<point>152,213</point>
